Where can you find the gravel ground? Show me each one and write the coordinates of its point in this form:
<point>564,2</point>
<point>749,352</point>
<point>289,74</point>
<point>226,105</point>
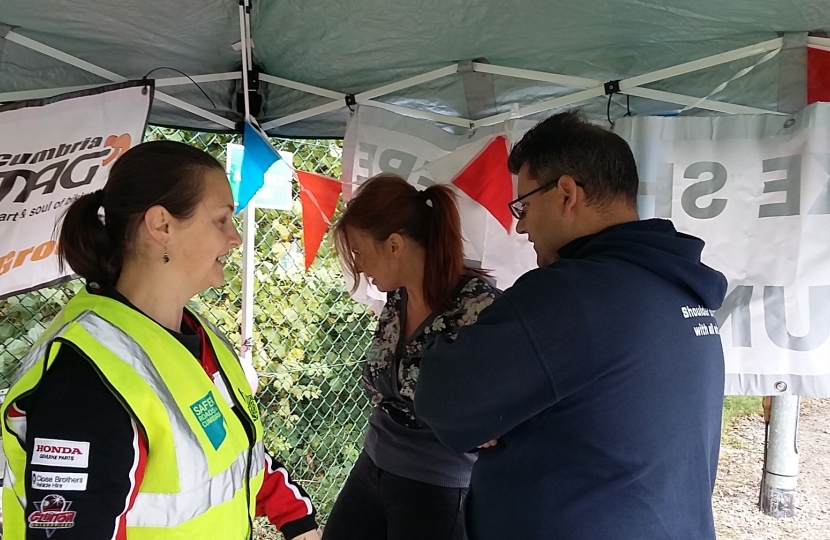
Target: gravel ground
<point>739,478</point>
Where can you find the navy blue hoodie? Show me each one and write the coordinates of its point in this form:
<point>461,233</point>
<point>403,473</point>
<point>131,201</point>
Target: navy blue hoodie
<point>602,377</point>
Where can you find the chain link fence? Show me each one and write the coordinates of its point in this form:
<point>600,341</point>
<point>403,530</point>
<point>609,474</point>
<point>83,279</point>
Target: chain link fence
<point>309,336</point>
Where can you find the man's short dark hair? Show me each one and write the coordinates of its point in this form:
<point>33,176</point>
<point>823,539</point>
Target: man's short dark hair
<point>599,160</point>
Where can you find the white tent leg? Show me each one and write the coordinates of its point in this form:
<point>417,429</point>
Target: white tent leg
<point>248,285</point>
<point>248,222</point>
<point>114,77</point>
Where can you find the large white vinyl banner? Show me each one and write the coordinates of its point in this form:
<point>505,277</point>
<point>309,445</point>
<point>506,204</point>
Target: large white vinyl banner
<point>755,188</point>
<point>51,152</point>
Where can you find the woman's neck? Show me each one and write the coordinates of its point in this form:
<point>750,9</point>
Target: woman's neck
<point>160,303</point>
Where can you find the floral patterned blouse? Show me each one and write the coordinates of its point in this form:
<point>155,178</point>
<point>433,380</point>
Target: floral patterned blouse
<point>389,354</point>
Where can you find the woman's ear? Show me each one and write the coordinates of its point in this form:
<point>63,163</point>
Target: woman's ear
<point>157,224</point>
<point>395,244</point>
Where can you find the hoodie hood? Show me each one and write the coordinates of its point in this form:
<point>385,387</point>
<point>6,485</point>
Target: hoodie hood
<point>655,245</point>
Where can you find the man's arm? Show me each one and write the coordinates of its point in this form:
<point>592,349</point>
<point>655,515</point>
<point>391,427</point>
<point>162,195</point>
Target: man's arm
<point>490,379</point>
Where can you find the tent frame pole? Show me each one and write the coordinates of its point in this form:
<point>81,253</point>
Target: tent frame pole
<point>362,97</point>
<point>111,76</point>
<point>632,86</point>
<point>249,214</point>
<point>159,83</point>
<point>710,104</point>
<point>593,89</point>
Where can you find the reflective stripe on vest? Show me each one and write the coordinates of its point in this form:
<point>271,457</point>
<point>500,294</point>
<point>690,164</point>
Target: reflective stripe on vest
<point>198,491</point>
<point>38,352</point>
<point>8,480</point>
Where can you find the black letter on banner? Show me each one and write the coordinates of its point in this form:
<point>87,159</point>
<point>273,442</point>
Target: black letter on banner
<point>791,185</point>
<point>703,188</point>
<point>736,304</point>
<point>406,162</point>
<point>822,204</point>
<point>66,177</point>
<point>8,179</point>
<point>33,181</point>
<point>775,319</point>
<point>661,189</point>
<point>369,162</point>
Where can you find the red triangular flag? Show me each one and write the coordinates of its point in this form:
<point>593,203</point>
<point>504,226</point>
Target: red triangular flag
<point>487,181</point>
<point>818,75</point>
<point>318,195</point>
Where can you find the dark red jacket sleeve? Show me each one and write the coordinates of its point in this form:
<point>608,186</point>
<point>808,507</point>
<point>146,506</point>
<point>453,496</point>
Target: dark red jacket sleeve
<point>284,502</point>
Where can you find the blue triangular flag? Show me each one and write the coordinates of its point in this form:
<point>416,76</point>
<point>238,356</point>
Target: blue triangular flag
<point>257,158</point>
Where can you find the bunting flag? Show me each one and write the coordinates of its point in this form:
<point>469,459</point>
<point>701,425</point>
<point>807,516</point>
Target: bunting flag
<point>318,195</point>
<point>487,180</point>
<point>257,158</point>
<point>818,75</point>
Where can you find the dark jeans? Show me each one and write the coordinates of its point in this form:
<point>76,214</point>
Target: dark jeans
<point>377,505</point>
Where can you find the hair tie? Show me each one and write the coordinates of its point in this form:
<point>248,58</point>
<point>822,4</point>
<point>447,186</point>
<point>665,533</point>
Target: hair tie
<point>426,197</point>
<point>99,200</point>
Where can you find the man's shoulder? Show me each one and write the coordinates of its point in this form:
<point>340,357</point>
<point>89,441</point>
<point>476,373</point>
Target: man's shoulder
<point>560,274</point>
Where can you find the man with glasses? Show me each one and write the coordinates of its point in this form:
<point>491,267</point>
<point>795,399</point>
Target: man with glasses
<point>598,375</point>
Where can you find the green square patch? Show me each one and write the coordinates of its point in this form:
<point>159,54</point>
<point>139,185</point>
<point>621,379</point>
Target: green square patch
<point>211,419</point>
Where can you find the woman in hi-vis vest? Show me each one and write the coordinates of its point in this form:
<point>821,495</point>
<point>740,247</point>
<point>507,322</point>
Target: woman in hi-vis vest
<point>131,418</point>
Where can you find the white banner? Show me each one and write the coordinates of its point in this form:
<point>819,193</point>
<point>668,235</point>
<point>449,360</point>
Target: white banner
<point>53,151</point>
<point>755,188</point>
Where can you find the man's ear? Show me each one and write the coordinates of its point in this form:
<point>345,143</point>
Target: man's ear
<point>572,194</point>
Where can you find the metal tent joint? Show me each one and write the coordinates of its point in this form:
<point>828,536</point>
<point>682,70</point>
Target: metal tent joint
<point>351,101</point>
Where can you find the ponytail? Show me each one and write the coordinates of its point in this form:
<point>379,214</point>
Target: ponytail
<point>444,246</point>
<point>84,244</point>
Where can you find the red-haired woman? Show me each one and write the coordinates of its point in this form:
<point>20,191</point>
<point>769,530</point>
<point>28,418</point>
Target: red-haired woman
<point>406,485</point>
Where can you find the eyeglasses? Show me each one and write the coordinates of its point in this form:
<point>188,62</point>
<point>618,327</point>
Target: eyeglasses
<point>518,208</point>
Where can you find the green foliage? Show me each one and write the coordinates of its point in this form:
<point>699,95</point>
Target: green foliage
<point>735,407</point>
<point>23,319</point>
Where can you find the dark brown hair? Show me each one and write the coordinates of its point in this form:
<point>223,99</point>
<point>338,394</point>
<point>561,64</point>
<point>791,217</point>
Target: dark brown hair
<point>388,204</point>
<point>165,173</point>
<point>599,160</point>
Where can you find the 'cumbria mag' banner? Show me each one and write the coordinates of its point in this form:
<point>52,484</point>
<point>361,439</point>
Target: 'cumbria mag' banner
<point>52,151</point>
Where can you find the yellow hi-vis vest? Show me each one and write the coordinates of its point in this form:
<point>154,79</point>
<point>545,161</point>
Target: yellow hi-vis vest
<point>202,473</point>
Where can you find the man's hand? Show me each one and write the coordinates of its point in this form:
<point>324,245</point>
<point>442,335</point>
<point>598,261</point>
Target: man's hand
<point>490,444</point>
<point>310,535</point>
